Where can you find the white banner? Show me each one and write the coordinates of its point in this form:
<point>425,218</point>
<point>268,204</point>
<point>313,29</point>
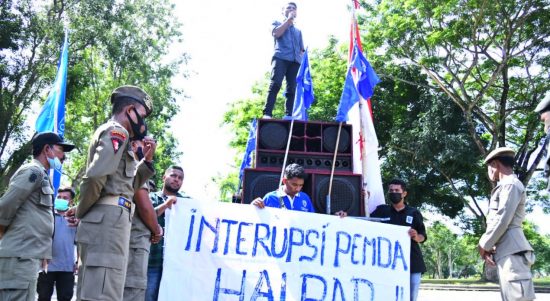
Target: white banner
<point>224,251</point>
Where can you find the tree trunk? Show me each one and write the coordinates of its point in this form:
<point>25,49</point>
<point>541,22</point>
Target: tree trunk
<point>450,262</point>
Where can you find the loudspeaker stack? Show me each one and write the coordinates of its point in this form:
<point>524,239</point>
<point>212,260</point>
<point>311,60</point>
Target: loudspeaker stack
<point>312,146</point>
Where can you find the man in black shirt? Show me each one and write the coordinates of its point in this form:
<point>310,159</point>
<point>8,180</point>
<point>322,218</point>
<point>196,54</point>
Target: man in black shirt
<point>399,213</point>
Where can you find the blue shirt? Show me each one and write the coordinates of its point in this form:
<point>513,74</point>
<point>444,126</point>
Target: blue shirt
<point>301,201</point>
<point>63,246</point>
<point>290,45</point>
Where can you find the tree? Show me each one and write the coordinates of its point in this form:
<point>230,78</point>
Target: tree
<point>541,245</point>
<point>111,43</point>
<point>489,60</point>
<point>441,250</point>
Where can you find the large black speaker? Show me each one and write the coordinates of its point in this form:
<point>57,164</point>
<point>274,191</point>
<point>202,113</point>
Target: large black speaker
<point>257,183</point>
<point>346,190</point>
<point>312,145</point>
<point>346,194</point>
<point>268,159</point>
<point>319,137</point>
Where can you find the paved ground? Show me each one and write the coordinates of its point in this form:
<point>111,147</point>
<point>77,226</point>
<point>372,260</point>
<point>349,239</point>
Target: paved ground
<point>433,295</point>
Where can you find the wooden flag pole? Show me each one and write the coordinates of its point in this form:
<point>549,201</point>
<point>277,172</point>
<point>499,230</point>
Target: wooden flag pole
<point>362,122</point>
<point>286,152</point>
<point>332,169</point>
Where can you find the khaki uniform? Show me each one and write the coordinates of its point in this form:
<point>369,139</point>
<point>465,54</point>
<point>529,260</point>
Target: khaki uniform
<point>547,165</point>
<point>105,210</point>
<point>136,274</point>
<point>26,210</point>
<point>514,255</point>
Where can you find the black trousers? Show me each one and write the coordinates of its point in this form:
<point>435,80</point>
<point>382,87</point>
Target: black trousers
<point>282,69</point>
<point>64,285</point>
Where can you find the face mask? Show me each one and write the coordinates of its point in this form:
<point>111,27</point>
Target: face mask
<point>395,197</point>
<point>54,163</point>
<point>137,126</point>
<point>61,205</point>
<point>139,153</point>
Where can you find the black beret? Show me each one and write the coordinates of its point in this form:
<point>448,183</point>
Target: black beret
<point>41,139</point>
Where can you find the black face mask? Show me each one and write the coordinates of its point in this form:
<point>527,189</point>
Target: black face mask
<point>139,153</point>
<point>137,126</point>
<point>395,197</point>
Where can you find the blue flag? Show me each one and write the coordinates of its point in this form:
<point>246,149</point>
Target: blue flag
<point>52,115</point>
<point>367,78</point>
<point>366,81</point>
<point>348,99</point>
<point>250,148</point>
<point>304,90</point>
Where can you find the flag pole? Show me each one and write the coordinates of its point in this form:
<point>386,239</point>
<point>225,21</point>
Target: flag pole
<point>362,128</point>
<point>332,169</point>
<point>286,151</point>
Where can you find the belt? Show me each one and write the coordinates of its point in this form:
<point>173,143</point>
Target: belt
<point>115,200</point>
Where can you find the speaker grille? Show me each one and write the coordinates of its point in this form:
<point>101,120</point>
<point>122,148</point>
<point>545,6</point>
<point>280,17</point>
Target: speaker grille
<point>329,139</point>
<point>273,135</point>
<point>258,183</point>
<point>346,194</point>
<point>267,159</point>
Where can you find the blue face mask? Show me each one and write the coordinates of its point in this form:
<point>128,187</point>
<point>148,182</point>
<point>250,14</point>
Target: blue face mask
<point>54,163</point>
<point>61,205</point>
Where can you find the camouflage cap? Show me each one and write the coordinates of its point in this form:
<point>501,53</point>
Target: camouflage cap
<point>499,152</point>
<point>544,104</point>
<point>134,93</point>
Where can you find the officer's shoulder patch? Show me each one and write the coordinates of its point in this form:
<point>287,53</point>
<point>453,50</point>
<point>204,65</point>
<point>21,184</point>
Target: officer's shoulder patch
<point>118,134</point>
<point>117,142</point>
<point>33,177</point>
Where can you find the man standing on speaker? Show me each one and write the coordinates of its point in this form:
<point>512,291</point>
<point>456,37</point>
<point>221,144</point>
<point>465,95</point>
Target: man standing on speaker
<point>399,213</point>
<point>287,56</point>
<point>289,195</point>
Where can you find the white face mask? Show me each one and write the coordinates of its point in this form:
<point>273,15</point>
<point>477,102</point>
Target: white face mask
<point>54,162</point>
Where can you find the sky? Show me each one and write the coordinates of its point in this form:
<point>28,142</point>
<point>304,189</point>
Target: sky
<point>231,46</point>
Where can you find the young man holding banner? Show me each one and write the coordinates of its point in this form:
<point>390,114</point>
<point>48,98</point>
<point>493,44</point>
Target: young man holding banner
<point>162,200</point>
<point>289,195</point>
<point>399,213</point>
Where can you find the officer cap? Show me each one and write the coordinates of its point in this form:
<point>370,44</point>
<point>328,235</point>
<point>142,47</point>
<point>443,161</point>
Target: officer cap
<point>41,139</point>
<point>134,93</point>
<point>544,105</point>
<point>498,153</point>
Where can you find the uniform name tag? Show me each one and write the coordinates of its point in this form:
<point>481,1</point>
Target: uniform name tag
<point>409,219</point>
<point>124,203</point>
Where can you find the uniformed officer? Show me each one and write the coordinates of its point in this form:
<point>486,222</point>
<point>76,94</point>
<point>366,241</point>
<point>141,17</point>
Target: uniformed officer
<point>504,242</point>
<point>145,230</point>
<point>26,219</point>
<point>543,108</point>
<point>113,171</point>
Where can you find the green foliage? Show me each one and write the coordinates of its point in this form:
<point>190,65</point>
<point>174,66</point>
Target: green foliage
<point>541,245</point>
<point>112,43</point>
<point>448,255</point>
<point>482,68</point>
